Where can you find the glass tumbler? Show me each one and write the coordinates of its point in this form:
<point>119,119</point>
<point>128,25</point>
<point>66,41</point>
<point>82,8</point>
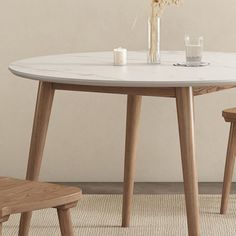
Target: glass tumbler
<point>193,50</point>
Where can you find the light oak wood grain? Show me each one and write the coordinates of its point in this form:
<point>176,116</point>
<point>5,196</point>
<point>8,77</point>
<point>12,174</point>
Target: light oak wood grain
<point>132,124</point>
<point>184,98</point>
<point>65,222</point>
<point>184,101</point>
<point>229,166</point>
<point>17,196</point>
<point>142,91</point>
<point>210,89</point>
<point>40,127</point>
<point>39,132</point>
<point>229,115</point>
<point>159,92</point>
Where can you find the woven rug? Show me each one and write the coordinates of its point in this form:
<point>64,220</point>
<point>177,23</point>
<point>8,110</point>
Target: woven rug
<point>100,215</point>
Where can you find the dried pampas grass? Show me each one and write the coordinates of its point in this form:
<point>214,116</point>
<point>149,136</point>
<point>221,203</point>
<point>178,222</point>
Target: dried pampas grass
<point>158,7</point>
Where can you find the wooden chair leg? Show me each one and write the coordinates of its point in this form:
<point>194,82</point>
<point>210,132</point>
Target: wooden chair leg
<point>4,219</point>
<point>229,167</point>
<point>184,101</point>
<point>65,222</point>
<point>40,126</point>
<point>132,124</point>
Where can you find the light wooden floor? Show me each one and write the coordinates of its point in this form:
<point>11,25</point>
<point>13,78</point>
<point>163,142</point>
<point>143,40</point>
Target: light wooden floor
<point>148,188</point>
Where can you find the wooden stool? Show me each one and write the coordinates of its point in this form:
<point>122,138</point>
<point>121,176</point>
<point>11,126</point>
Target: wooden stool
<point>17,196</point>
<point>229,116</point>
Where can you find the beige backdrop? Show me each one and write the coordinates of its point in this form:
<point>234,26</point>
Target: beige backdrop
<point>86,134</point>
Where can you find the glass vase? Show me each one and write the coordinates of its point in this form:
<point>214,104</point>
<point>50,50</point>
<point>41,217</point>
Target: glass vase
<point>154,40</point>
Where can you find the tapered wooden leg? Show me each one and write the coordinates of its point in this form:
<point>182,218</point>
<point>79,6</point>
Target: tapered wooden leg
<point>132,124</point>
<point>65,222</point>
<point>40,126</point>
<point>184,101</point>
<point>4,219</point>
<point>229,168</point>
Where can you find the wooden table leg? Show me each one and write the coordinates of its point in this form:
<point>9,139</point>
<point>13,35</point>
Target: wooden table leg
<point>132,124</point>
<point>184,101</point>
<point>229,168</point>
<point>40,126</point>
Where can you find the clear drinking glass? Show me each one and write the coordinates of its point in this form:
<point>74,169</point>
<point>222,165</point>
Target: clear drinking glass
<point>194,50</point>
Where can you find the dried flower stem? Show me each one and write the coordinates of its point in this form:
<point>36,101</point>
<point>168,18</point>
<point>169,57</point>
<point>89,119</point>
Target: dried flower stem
<point>158,7</point>
<point>154,33</point>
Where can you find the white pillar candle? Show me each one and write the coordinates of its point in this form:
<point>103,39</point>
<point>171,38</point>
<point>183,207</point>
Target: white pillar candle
<point>120,56</point>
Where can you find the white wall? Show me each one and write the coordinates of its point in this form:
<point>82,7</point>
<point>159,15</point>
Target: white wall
<point>86,134</point>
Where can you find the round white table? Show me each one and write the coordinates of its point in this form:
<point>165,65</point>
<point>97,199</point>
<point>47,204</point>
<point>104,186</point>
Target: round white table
<point>94,72</point>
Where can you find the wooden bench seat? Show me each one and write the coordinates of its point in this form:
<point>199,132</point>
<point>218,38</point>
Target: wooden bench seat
<point>18,196</point>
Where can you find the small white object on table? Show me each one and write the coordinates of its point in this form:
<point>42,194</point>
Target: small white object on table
<point>120,56</point>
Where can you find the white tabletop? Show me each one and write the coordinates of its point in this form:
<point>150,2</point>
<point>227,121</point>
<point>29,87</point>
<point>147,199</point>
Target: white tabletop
<point>96,68</point>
